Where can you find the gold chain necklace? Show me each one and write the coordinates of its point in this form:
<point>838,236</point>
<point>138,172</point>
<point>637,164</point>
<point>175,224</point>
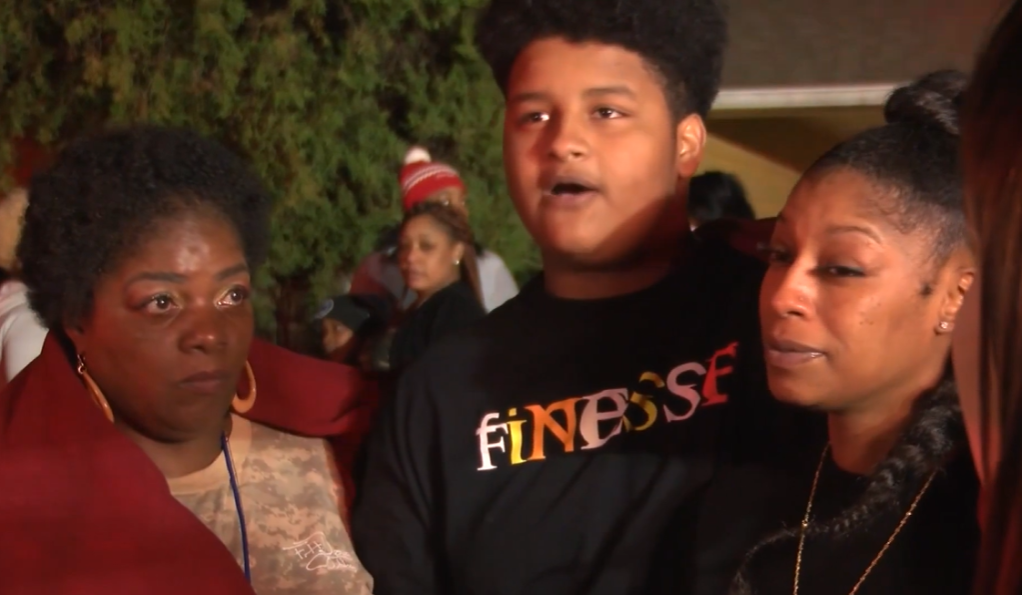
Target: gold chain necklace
<point>883,550</point>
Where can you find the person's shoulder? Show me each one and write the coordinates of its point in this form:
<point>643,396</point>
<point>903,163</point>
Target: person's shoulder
<point>461,294</point>
<point>13,293</point>
<point>488,255</point>
<point>372,258</point>
<point>449,355</point>
<point>729,259</point>
<point>490,258</point>
<point>738,239</point>
<point>463,342</point>
<point>457,303</point>
<point>276,446</point>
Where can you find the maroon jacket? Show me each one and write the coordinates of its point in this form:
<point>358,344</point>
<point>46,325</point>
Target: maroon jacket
<point>84,511</point>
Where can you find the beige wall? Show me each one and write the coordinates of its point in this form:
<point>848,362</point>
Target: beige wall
<point>781,43</point>
<point>767,183</point>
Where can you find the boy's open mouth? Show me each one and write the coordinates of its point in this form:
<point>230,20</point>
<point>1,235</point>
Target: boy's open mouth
<point>570,189</point>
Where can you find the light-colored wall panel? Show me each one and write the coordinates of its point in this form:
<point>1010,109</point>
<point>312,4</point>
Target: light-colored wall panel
<point>767,182</point>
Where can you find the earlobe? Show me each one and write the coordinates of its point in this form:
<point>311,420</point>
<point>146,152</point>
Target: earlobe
<point>690,138</point>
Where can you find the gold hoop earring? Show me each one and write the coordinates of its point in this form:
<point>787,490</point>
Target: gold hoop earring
<point>242,405</point>
<point>94,392</point>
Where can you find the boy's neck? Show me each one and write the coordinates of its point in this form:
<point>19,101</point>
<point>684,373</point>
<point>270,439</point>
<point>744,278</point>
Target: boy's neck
<point>580,283</point>
<point>600,284</point>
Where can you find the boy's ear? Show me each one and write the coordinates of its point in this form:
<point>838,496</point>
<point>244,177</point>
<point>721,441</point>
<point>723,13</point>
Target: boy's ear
<point>690,138</point>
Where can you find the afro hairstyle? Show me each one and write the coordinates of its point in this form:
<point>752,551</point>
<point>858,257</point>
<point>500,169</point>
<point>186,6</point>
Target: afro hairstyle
<point>682,41</point>
<point>105,193</point>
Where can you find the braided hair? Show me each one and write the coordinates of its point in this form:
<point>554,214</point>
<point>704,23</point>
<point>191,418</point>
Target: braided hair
<point>935,432</point>
<point>915,157</point>
<point>455,224</point>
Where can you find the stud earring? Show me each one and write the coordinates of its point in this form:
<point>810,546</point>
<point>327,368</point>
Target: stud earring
<point>944,326</point>
<point>457,263</point>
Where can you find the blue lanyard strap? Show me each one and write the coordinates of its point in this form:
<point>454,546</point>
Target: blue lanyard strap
<point>237,504</point>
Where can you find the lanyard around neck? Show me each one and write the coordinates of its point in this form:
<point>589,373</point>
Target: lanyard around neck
<point>226,447</point>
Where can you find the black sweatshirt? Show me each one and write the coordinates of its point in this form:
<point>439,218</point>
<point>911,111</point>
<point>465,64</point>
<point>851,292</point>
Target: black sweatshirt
<point>561,446</point>
<point>452,308</point>
<point>934,554</point>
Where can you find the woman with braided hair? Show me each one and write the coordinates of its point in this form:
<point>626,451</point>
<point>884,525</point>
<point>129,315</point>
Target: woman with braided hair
<point>869,265</point>
<point>436,256</point>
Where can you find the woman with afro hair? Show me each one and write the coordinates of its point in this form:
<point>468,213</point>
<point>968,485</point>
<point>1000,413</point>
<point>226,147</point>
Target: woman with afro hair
<point>135,456</point>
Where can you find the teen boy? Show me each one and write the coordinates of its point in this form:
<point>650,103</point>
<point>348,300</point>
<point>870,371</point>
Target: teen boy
<point>563,444</point>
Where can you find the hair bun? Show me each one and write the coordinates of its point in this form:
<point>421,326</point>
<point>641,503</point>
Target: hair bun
<point>934,100</point>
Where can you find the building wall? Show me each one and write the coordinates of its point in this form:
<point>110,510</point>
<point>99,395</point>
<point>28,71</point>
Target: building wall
<point>767,182</point>
<point>817,42</point>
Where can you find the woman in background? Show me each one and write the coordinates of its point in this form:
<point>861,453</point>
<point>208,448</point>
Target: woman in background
<point>425,180</point>
<point>437,262</point>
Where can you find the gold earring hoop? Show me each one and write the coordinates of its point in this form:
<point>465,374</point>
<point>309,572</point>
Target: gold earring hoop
<point>242,405</point>
<point>94,392</point>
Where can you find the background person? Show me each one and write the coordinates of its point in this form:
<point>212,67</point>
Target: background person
<point>423,180</point>
<point>436,257</point>
<point>21,332</point>
<point>717,195</point>
<point>347,322</point>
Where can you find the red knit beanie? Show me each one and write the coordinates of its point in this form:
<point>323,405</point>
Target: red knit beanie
<point>421,178</point>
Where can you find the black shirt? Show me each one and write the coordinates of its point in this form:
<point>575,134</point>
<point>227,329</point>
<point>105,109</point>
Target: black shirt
<point>452,308</point>
<point>934,554</point>
<point>560,446</point>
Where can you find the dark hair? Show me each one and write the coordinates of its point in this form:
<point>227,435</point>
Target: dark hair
<point>993,159</point>
<point>682,41</point>
<point>458,229</point>
<point>935,432</point>
<point>104,194</point>
<point>914,158</point>
<point>717,195</point>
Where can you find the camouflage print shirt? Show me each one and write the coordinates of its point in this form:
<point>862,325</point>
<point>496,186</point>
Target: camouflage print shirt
<point>293,503</point>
